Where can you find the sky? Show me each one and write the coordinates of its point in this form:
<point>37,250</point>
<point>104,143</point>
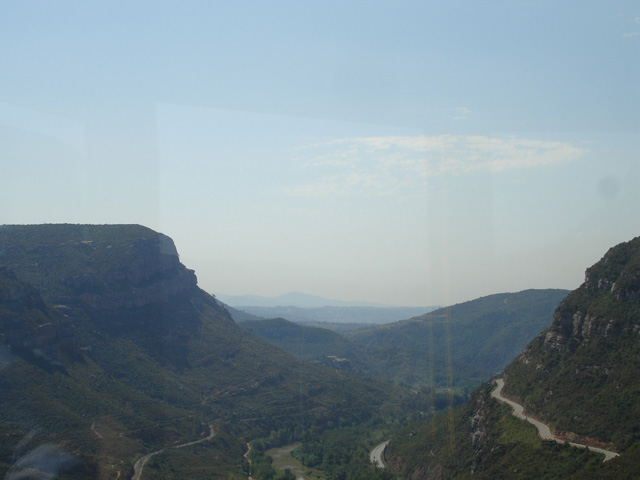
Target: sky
<point>400,152</point>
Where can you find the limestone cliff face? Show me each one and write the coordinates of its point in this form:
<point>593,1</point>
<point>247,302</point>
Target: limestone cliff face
<point>580,374</point>
<point>148,272</point>
<point>118,277</point>
<point>598,308</point>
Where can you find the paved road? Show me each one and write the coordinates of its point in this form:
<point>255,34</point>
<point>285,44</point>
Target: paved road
<point>375,456</point>
<point>138,467</point>
<point>543,430</point>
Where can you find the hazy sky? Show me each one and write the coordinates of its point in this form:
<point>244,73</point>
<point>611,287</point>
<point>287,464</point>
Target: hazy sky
<point>401,152</point>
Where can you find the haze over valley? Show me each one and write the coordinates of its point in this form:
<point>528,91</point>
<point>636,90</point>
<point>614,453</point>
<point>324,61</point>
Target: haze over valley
<point>321,240</point>
<point>151,375</point>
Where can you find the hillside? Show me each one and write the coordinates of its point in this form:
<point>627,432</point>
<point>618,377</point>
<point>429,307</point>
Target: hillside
<point>337,314</point>
<point>408,367</point>
<point>487,332</point>
<point>579,376</point>
<point>109,350</point>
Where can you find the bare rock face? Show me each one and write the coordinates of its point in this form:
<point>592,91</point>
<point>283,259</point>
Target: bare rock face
<point>119,279</point>
<point>587,313</point>
<point>149,272</point>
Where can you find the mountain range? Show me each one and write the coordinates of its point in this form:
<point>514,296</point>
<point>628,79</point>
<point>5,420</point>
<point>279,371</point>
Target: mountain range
<point>487,332</point>
<point>341,317</point>
<point>412,368</point>
<point>113,360</point>
<point>459,346</point>
<point>291,299</point>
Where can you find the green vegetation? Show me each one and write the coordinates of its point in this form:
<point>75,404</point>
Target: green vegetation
<point>220,457</point>
<point>403,366</point>
<point>50,257</point>
<point>579,375</point>
<point>134,358</point>
<point>343,454</point>
<point>486,333</point>
<point>582,373</point>
<point>109,351</point>
<point>481,439</point>
<point>337,315</point>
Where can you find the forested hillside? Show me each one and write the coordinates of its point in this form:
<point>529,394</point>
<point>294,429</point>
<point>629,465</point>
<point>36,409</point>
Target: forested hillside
<point>487,332</point>
<point>579,376</point>
<point>110,351</point>
<point>409,367</point>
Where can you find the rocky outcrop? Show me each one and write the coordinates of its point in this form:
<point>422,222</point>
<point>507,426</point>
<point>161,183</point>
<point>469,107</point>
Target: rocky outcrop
<point>569,329</point>
<point>121,278</point>
<point>149,272</point>
<point>597,308</point>
<point>480,427</point>
<point>580,374</point>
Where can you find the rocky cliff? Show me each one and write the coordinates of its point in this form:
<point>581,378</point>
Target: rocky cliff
<point>603,307</point>
<point>102,267</point>
<point>580,374</point>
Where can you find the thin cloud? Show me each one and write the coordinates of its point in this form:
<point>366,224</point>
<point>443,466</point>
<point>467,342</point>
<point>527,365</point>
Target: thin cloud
<point>632,34</point>
<point>462,113</point>
<point>387,165</point>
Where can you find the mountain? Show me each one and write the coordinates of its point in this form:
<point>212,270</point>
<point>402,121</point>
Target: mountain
<point>338,315</point>
<point>579,376</point>
<point>292,299</point>
<point>110,351</point>
<point>407,367</point>
<point>487,332</point>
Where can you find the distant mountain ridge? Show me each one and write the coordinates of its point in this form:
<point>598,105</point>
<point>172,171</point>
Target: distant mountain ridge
<point>338,315</point>
<point>487,332</point>
<point>403,366</point>
<point>293,299</point>
<point>484,335</point>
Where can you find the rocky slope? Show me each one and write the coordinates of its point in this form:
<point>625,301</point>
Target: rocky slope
<point>579,375</point>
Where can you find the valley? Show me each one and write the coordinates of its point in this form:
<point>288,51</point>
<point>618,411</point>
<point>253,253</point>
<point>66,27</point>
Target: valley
<point>112,357</point>
<point>330,240</point>
<point>283,461</point>
<point>138,467</point>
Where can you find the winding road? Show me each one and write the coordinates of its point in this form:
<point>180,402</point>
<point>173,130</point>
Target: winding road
<point>138,467</point>
<point>375,457</point>
<point>543,430</point>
